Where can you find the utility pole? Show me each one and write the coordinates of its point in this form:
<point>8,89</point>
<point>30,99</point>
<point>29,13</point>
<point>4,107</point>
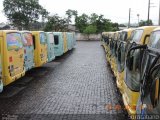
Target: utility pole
<point>129,18</point>
<point>148,11</point>
<point>159,13</point>
<point>138,19</point>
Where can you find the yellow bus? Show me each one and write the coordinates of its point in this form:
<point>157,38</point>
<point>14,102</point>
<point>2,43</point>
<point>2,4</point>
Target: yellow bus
<point>113,53</point>
<point>1,83</point>
<point>121,53</point>
<point>115,68</point>
<point>104,36</point>
<point>108,54</point>
<point>105,40</point>
<point>149,99</point>
<point>12,56</point>
<point>132,69</point>
<point>40,48</point>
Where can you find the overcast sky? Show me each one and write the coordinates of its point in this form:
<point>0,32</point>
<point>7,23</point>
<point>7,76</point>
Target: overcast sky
<point>116,10</point>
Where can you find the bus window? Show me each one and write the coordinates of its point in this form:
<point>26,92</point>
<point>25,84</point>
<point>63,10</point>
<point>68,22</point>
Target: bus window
<point>42,38</point>
<point>51,38</point>
<point>155,40</point>
<point>34,42</point>
<point>14,41</point>
<point>27,39</point>
<point>56,39</point>
<point>124,36</point>
<point>137,35</point>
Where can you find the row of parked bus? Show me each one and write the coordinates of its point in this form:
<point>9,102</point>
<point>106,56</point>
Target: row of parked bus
<point>21,51</point>
<point>134,57</point>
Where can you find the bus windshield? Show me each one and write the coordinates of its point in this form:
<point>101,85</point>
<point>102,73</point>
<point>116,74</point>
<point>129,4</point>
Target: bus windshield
<point>132,34</point>
<point>27,39</point>
<point>42,38</point>
<point>119,35</point>
<point>51,38</point>
<point>115,36</point>
<point>154,41</point>
<point>124,36</point>
<point>137,35</point>
<point>14,41</point>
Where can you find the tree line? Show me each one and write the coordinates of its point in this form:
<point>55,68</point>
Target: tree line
<point>30,15</point>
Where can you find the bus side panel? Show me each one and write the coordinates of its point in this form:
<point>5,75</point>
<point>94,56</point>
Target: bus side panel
<point>42,52</point>
<point>51,55</point>
<point>56,46</point>
<point>69,41</point>
<point>29,57</point>
<point>59,48</point>
<point>36,57</point>
<point>74,39</point>
<point>61,45</point>
<point>5,71</point>
<point>50,46</point>
<point>130,99</point>
<point>13,63</point>
<point>65,42</point>
<point>1,82</point>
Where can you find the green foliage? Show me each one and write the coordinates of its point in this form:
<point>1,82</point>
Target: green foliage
<point>22,13</point>
<point>93,18</point>
<point>56,23</point>
<point>145,23</point>
<point>101,23</point>
<point>115,27</point>
<point>82,22</point>
<point>122,25</point>
<point>71,13</point>
<point>91,29</point>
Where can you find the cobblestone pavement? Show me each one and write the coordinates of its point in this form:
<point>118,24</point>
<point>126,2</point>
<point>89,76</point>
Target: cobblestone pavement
<point>78,85</point>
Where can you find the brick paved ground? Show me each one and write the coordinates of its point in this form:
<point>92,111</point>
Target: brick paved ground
<point>75,86</point>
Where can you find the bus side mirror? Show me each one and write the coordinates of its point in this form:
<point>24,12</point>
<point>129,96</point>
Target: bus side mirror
<point>130,55</point>
<point>129,61</point>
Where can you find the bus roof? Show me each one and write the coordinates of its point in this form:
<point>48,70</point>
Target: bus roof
<point>6,31</point>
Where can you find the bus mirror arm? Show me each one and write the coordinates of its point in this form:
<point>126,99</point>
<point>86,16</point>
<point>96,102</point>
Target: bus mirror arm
<point>154,68</point>
<point>136,47</point>
<point>130,58</point>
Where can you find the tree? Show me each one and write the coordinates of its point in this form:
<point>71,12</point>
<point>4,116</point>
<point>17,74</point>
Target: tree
<point>103,24</point>
<point>91,29</point>
<point>22,13</point>
<point>115,27</point>
<point>71,13</point>
<point>93,19</point>
<point>56,23</point>
<point>145,23</point>
<point>81,22</point>
<point>122,25</point>
<point>100,22</point>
